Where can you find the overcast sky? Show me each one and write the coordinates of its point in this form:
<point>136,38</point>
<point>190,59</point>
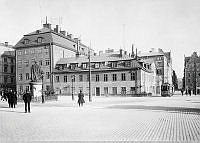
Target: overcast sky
<point>172,25</point>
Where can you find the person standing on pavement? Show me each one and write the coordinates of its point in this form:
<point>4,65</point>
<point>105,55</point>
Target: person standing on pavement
<point>182,91</point>
<point>27,99</point>
<point>81,98</point>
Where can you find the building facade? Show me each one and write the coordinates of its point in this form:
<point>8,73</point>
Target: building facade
<point>191,79</point>
<point>7,67</point>
<point>45,46</point>
<point>163,63</point>
<point>111,74</point>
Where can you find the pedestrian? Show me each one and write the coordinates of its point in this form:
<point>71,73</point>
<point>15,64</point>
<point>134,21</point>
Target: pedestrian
<point>8,95</point>
<point>12,98</point>
<point>15,99</point>
<point>81,98</point>
<point>182,91</point>
<point>190,92</point>
<point>27,99</point>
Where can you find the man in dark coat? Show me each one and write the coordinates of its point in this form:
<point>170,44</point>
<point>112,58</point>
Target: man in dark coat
<point>27,99</point>
<point>81,98</point>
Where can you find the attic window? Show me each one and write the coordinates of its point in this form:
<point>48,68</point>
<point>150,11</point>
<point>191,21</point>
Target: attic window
<point>39,39</point>
<point>26,41</point>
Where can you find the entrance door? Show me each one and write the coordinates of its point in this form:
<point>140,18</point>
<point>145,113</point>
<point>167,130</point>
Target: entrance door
<point>97,91</point>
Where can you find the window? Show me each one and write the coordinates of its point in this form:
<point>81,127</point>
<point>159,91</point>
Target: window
<point>19,53</point>
<point>5,69</point>
<point>26,62</point>
<point>40,62</point>
<point>123,76</point>
<point>27,88</point>
<point>65,78</point>
<point>84,66</point>
<point>32,61</point>
<point>132,76</point>
<point>96,65</point>
<point>88,77</point>
<point>21,89</point>
<point>47,62</point>
<point>26,51</point>
<point>32,51</point>
<point>105,77</point>
<point>80,77</point>
<point>5,79</point>
<point>132,90</point>
<point>20,77</point>
<point>105,90</point>
<point>47,87</point>
<point>11,79</point>
<point>39,40</point>
<point>26,41</point>
<point>47,75</point>
<point>5,59</point>
<point>57,79</point>
<point>27,76</point>
<point>12,61</point>
<point>114,77</point>
<point>97,77</point>
<point>73,77</point>
<point>123,90</point>
<point>114,90</point>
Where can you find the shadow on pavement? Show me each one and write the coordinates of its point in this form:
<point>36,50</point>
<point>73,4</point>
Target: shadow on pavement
<point>11,111</point>
<point>158,108</point>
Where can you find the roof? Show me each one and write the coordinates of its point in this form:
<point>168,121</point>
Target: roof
<point>4,48</point>
<point>150,54</point>
<point>9,53</point>
<point>49,36</point>
<point>84,59</point>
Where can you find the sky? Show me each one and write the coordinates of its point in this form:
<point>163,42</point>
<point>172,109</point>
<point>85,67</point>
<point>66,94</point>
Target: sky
<point>172,25</point>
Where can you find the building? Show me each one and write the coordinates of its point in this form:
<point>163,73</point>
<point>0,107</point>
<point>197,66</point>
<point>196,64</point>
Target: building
<point>191,79</point>
<point>112,73</point>
<point>163,63</point>
<point>7,67</point>
<point>45,46</point>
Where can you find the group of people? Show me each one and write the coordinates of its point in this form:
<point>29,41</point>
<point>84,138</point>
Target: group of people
<point>189,91</point>
<point>10,96</point>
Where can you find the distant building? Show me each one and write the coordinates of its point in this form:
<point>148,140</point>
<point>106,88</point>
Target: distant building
<point>7,67</point>
<point>163,63</point>
<point>191,78</point>
<point>45,46</point>
<point>180,83</point>
<point>113,73</point>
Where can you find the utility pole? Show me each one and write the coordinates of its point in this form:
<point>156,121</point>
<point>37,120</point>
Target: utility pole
<point>90,96</point>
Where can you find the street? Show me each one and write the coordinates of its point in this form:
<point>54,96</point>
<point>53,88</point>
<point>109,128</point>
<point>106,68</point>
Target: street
<point>174,119</point>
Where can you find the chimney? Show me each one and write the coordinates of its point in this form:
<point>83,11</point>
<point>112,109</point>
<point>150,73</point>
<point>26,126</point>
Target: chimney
<point>69,36</point>
<point>76,40</point>
<point>63,32</point>
<point>56,29</point>
<point>132,54</point>
<point>125,52</point>
<point>120,52</point>
<point>47,25</point>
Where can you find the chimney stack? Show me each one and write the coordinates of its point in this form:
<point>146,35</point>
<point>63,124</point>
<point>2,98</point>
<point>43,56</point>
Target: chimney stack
<point>63,32</point>
<point>6,44</point>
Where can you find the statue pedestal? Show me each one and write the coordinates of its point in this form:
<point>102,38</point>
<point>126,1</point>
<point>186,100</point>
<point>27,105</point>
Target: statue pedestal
<point>36,90</point>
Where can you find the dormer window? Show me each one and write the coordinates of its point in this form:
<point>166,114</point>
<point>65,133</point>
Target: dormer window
<point>26,41</point>
<point>39,40</point>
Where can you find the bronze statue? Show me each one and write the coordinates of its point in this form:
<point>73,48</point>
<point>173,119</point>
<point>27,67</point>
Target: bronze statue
<point>36,72</point>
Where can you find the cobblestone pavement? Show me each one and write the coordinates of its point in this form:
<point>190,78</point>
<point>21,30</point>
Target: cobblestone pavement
<point>171,119</point>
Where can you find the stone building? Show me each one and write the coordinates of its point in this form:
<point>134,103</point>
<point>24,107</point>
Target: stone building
<point>111,74</point>
<point>191,80</point>
<point>7,67</point>
<point>45,46</point>
<point>163,63</point>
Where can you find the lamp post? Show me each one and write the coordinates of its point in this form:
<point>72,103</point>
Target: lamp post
<point>73,79</point>
<point>43,96</point>
<point>90,96</point>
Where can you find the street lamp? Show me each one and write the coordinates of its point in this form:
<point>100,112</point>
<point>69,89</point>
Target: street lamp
<point>43,96</point>
<point>73,79</point>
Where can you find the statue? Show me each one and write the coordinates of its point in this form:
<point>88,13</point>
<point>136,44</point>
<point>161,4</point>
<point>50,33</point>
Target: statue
<point>36,72</point>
